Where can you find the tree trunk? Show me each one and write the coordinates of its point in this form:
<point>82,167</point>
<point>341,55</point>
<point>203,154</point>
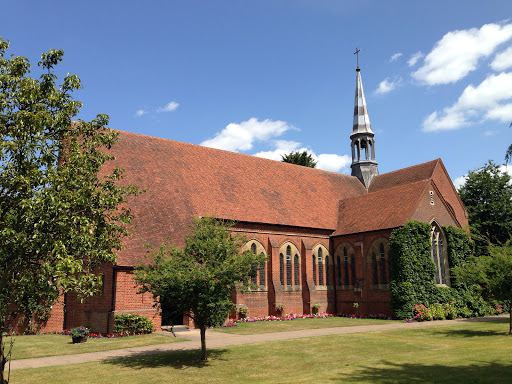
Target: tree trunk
<point>203,343</point>
<point>3,360</point>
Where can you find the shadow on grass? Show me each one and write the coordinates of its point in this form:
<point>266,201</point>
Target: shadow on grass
<point>175,359</point>
<point>482,372</point>
<point>471,333</point>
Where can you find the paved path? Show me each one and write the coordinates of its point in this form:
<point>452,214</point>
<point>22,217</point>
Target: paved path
<point>219,339</point>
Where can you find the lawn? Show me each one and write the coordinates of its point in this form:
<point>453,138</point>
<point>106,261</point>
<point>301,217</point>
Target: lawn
<point>50,345</point>
<point>251,328</point>
<point>469,352</point>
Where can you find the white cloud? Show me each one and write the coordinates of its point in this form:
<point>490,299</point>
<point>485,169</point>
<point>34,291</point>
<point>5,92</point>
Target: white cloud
<point>395,56</point>
<point>460,181</point>
<point>240,137</point>
<point>332,162</point>
<point>503,60</point>
<point>483,101</point>
<point>387,85</point>
<point>172,106</point>
<point>458,52</point>
<point>414,59</point>
<point>325,161</point>
<point>502,113</point>
<point>140,112</point>
<point>489,133</point>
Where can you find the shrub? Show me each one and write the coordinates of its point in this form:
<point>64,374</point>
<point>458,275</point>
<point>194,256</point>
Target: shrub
<point>242,310</point>
<point>450,311</point>
<point>315,307</point>
<point>422,313</point>
<point>464,312</point>
<point>131,324</point>
<point>437,311</point>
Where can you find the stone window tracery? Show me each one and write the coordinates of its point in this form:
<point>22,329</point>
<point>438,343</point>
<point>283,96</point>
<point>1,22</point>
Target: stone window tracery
<point>438,254</point>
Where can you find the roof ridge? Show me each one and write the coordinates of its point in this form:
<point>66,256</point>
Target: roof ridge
<point>413,166</point>
<point>202,147</point>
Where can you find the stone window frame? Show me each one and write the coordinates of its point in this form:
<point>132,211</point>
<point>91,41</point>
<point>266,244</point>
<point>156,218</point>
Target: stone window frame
<point>250,246</point>
<point>345,255</point>
<point>439,255</point>
<point>294,276</point>
<point>377,257</point>
<point>321,253</point>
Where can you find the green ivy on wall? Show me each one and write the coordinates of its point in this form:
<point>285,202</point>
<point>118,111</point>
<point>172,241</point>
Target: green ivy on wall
<point>413,270</point>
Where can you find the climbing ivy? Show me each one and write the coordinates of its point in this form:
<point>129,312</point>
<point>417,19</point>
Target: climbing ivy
<point>413,271</point>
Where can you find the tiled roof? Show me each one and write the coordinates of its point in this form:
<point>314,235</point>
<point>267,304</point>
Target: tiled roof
<point>184,180</point>
<point>384,209</point>
<point>403,176</point>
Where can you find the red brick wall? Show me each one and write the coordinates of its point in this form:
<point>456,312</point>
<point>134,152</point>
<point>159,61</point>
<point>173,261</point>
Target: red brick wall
<point>372,300</point>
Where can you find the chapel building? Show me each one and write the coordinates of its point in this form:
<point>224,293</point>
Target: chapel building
<point>325,234</point>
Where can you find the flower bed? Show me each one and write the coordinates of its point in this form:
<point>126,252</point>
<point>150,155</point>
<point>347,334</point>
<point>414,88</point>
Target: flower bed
<point>289,317</point>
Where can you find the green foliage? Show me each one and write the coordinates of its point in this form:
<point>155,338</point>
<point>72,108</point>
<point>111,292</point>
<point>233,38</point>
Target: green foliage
<point>79,331</point>
<point>299,158</point>
<point>58,219</point>
<point>487,195</point>
<point>493,274</point>
<point>412,269</point>
<point>412,280</point>
<point>131,324</point>
<point>198,280</point>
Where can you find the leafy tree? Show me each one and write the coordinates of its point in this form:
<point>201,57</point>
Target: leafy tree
<point>58,219</point>
<point>493,273</point>
<point>198,280</point>
<point>487,195</point>
<point>299,158</point>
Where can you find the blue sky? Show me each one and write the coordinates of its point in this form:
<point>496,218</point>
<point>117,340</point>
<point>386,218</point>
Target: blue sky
<point>267,77</point>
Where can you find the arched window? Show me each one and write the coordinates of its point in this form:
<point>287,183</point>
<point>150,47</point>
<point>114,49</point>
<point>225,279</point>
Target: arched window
<point>346,265</point>
<point>281,268</point>
<point>375,271</point>
<point>327,281</point>
<point>438,255</point>
<point>288,265</point>
<point>254,265</point>
<point>314,269</point>
<point>378,257</point>
<point>338,269</point>
<point>296,270</point>
<point>291,264</point>
<point>320,268</point>
<point>383,269</point>
<point>257,269</point>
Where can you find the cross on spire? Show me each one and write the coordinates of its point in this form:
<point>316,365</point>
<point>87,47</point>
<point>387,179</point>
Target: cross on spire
<point>357,55</point>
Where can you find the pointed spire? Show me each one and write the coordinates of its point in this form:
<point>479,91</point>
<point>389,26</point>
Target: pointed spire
<point>361,117</point>
<point>364,166</point>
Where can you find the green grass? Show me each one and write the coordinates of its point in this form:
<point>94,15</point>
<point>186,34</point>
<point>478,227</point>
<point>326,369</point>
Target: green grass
<point>298,324</point>
<point>469,352</point>
<point>30,346</point>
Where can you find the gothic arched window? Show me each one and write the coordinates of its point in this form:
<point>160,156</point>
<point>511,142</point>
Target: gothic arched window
<point>320,268</point>
<point>314,270</point>
<point>438,255</point>
<point>288,265</point>
<point>296,270</point>
<point>281,268</point>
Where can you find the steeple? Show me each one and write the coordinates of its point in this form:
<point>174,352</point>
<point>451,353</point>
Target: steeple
<point>364,165</point>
